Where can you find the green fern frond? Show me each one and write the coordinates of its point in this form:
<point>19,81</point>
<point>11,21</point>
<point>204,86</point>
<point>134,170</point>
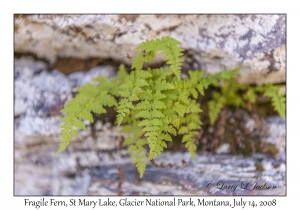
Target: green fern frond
<point>213,79</point>
<point>157,146</point>
<point>228,74</point>
<point>89,99</point>
<point>138,155</point>
<point>190,126</point>
<point>215,107</point>
<point>168,46</point>
<point>190,143</point>
<point>136,146</point>
<point>237,95</point>
<point>250,95</point>
<point>277,98</point>
<point>123,109</point>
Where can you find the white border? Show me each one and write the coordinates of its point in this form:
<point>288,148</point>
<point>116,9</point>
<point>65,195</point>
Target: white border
<point>8,201</point>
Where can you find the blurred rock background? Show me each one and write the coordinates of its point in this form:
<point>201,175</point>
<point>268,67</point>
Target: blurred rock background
<point>56,53</point>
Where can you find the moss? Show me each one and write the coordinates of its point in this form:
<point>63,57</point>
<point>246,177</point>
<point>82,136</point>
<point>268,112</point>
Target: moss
<point>16,27</point>
<point>264,109</point>
<point>272,149</point>
<point>259,167</point>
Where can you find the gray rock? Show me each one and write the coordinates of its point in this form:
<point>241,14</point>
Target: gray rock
<point>223,149</point>
<point>216,42</point>
<point>88,167</point>
<point>27,66</point>
<point>39,125</point>
<point>42,94</point>
<point>82,78</point>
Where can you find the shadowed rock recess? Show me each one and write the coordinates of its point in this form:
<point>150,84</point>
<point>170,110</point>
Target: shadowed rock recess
<point>242,149</point>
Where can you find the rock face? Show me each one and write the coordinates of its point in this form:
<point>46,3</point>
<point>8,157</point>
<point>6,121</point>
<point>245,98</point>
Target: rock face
<point>256,43</point>
<point>94,165</point>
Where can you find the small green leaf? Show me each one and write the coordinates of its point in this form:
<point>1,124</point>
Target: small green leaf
<point>133,97</point>
<point>128,140</point>
<point>132,148</point>
<point>141,142</point>
<point>141,83</point>
<point>158,105</point>
<point>98,109</point>
<point>86,115</point>
<point>200,88</point>
<point>79,124</point>
<point>157,114</point>
<point>183,130</point>
<point>143,105</point>
<point>194,93</point>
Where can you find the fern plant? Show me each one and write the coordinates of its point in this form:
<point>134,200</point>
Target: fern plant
<point>234,94</point>
<point>152,105</point>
